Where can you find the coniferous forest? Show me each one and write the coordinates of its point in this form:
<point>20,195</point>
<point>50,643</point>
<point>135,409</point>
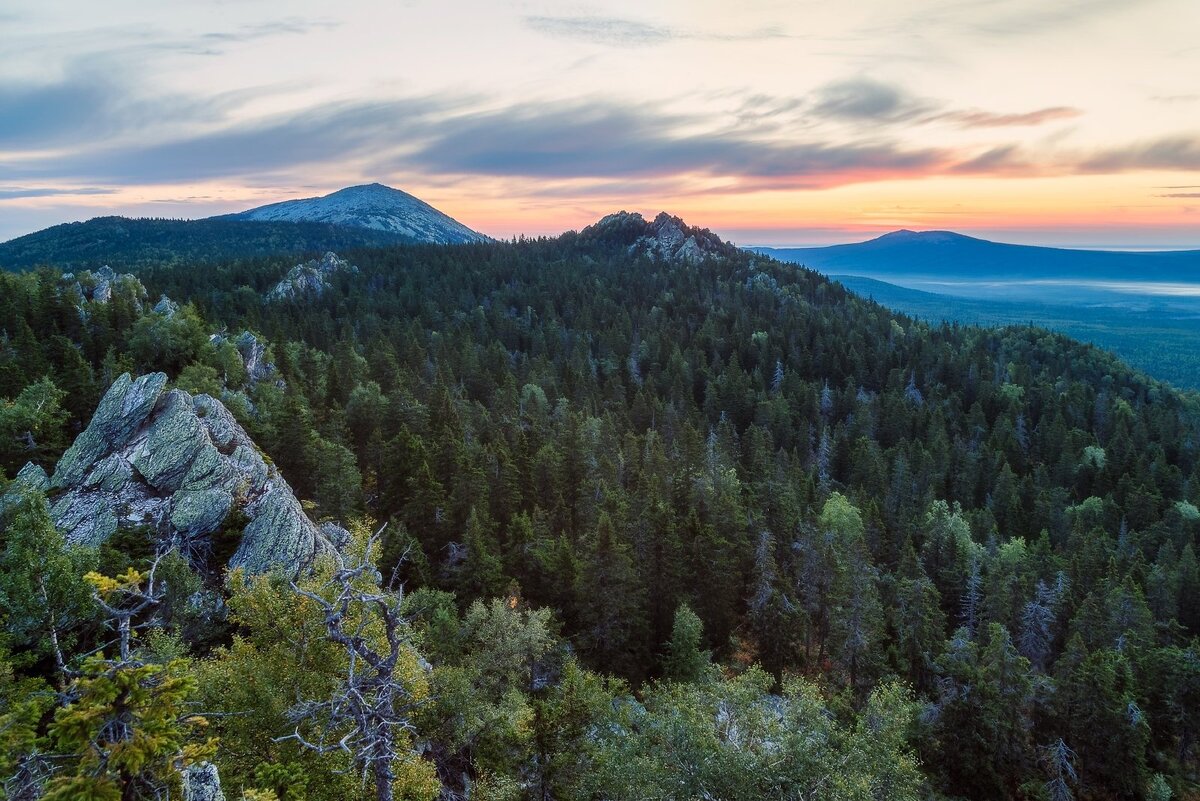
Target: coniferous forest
<point>621,527</point>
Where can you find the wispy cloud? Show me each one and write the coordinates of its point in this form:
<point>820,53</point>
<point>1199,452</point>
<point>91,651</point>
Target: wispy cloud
<point>216,42</point>
<point>21,192</point>
<point>97,99</point>
<point>988,119</point>
<point>1181,194</point>
<point>1168,153</point>
<point>1173,99</point>
<point>1012,18</point>
<point>623,32</point>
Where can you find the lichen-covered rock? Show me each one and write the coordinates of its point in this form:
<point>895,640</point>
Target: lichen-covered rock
<point>172,442</point>
<point>337,536</point>
<point>166,307</point>
<point>121,412</point>
<point>179,466</point>
<point>201,511</point>
<point>99,287</point>
<point>30,478</point>
<point>202,782</point>
<point>254,356</point>
<point>311,278</point>
<point>88,518</point>
<point>278,531</point>
<point>666,238</point>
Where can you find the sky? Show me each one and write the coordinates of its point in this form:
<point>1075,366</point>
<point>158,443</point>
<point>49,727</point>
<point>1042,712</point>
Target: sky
<point>772,122</point>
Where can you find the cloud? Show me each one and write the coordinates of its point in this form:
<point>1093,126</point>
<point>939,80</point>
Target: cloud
<point>622,32</point>
<point>868,99</point>
<point>1012,18</point>
<point>1168,153</point>
<point>215,43</point>
<point>603,139</point>
<point>593,139</point>
<point>988,119</point>
<point>1181,194</point>
<point>1001,160</point>
<point>97,99</point>
<point>18,192</point>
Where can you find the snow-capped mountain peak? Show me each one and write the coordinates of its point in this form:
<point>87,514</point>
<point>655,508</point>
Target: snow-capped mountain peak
<point>374,206</point>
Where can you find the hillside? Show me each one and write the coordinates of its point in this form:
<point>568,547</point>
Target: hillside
<point>371,206</point>
<point>1156,337</point>
<point>945,254</point>
<point>672,521</point>
<point>128,243</point>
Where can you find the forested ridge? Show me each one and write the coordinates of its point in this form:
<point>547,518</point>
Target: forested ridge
<point>666,529</point>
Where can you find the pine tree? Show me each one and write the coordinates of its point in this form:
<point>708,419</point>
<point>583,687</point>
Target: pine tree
<point>684,660</point>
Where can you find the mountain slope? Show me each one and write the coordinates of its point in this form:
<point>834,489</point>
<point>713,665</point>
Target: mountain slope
<point>126,242</point>
<point>943,253</point>
<point>731,453</point>
<point>1162,341</point>
<point>372,206</point>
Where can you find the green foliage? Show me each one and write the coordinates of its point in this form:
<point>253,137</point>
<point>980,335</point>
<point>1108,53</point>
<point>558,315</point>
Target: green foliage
<point>32,425</point>
<point>831,489</point>
<point>127,730</point>
<point>42,592</point>
<point>168,342</point>
<point>148,242</point>
<point>684,660</point>
<point>732,739</point>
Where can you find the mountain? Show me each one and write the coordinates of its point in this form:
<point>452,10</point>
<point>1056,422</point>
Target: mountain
<point>666,238</point>
<point>126,242</point>
<point>935,254</point>
<point>597,455</point>
<point>372,206</point>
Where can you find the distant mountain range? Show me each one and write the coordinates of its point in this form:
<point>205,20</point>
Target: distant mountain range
<point>941,254</point>
<point>358,216</point>
<point>373,206</point>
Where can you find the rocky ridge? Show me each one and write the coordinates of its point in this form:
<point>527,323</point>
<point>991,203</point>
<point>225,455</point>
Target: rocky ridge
<point>99,286</point>
<point>666,238</point>
<point>184,469</point>
<point>311,278</point>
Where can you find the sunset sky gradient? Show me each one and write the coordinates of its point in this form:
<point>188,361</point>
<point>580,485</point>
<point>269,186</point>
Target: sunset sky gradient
<point>1073,122</point>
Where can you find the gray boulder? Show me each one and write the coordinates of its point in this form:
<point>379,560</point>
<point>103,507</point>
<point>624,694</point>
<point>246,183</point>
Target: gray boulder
<point>201,782</point>
<point>179,466</point>
<point>166,307</point>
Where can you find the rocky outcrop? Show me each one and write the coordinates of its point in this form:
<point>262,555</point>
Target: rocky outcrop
<point>254,356</point>
<point>310,279</point>
<point>179,466</point>
<point>666,238</point>
<point>166,307</point>
<point>29,478</point>
<point>99,287</point>
<point>201,782</point>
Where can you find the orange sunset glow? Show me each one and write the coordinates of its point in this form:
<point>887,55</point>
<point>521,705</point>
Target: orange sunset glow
<point>775,123</point>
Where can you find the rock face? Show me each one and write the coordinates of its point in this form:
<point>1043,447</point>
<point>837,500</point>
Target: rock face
<point>99,287</point>
<point>201,782</point>
<point>311,278</point>
<point>667,238</point>
<point>180,466</point>
<point>166,307</point>
<point>254,356</point>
